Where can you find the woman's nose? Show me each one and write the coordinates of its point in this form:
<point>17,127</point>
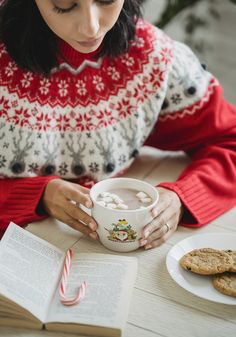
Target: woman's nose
<point>89,23</point>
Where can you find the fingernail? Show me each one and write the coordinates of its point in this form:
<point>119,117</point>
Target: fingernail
<point>147,247</point>
<point>88,204</point>
<point>154,212</point>
<point>146,233</point>
<point>143,242</point>
<point>92,226</point>
<point>93,236</point>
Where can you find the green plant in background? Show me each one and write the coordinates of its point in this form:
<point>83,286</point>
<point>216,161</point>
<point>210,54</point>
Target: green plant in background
<point>192,20</point>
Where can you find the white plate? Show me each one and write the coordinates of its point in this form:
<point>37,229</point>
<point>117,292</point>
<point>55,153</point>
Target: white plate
<point>199,285</point>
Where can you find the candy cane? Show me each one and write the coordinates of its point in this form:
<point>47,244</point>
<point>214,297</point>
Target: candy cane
<point>64,281</point>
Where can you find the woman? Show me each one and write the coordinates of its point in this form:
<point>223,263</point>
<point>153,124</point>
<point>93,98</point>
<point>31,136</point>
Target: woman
<point>84,84</point>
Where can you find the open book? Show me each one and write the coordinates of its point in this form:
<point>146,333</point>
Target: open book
<point>30,275</point>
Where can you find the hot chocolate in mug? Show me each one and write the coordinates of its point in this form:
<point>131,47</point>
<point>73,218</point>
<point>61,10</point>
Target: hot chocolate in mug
<point>121,208</point>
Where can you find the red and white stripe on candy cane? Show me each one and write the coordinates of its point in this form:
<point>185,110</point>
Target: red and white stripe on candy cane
<point>64,280</point>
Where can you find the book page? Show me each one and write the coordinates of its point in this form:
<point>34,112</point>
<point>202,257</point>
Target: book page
<point>110,280</point>
<point>30,269</point>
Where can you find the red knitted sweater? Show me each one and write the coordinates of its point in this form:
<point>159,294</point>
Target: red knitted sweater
<point>89,118</point>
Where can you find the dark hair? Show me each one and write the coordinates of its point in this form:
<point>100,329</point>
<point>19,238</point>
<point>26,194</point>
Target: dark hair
<point>32,44</point>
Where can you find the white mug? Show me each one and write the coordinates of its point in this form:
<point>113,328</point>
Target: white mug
<point>120,229</point>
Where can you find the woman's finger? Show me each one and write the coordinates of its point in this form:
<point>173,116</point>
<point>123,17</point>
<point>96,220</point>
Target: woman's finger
<point>167,198</point>
<point>158,233</point>
<point>61,215</point>
<point>158,242</point>
<point>75,212</point>
<point>160,207</point>
<point>157,222</point>
<point>78,194</point>
<point>160,236</point>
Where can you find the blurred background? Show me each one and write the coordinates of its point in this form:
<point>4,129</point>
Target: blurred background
<point>208,27</point>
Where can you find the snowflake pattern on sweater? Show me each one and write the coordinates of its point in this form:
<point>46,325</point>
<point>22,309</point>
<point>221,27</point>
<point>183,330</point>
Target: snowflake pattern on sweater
<point>91,115</point>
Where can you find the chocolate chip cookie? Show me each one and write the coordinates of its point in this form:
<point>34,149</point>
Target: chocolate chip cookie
<point>233,254</point>
<point>207,261</point>
<point>225,283</point>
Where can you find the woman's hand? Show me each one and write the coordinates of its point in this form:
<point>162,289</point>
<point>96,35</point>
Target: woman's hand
<point>167,215</point>
<point>61,200</point>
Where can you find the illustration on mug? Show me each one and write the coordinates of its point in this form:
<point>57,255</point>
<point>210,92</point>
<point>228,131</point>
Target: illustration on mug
<point>122,231</point>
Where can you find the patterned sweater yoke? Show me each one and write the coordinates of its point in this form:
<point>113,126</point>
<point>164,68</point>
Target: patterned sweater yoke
<point>89,117</point>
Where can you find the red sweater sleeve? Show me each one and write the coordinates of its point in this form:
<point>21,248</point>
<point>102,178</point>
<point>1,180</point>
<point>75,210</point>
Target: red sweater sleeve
<point>208,136</point>
<point>19,199</point>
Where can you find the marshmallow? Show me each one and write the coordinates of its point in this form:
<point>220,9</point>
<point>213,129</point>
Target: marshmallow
<point>141,195</point>
<point>102,203</point>
<point>118,200</point>
<point>145,200</point>
<point>104,194</point>
<point>113,195</point>
<point>111,205</point>
<point>107,199</point>
<point>122,206</point>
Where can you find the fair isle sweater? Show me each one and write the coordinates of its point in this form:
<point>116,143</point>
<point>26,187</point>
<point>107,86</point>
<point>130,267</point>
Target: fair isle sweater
<point>89,118</point>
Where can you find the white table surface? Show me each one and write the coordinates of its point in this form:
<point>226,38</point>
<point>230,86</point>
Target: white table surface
<point>159,306</point>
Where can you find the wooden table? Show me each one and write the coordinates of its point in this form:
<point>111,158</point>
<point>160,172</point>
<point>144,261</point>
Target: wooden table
<point>159,306</point>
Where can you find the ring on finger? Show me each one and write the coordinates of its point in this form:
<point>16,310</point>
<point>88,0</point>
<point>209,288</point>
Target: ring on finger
<point>167,227</point>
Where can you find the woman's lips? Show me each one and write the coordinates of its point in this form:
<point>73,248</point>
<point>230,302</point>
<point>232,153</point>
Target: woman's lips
<point>90,43</point>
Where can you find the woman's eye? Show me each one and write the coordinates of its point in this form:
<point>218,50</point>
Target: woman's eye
<point>64,10</point>
<point>69,9</point>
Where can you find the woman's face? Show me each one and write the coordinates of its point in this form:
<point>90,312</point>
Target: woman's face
<point>81,23</point>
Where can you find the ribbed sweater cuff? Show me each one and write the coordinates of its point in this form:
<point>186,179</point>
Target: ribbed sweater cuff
<point>201,205</point>
<point>21,203</point>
